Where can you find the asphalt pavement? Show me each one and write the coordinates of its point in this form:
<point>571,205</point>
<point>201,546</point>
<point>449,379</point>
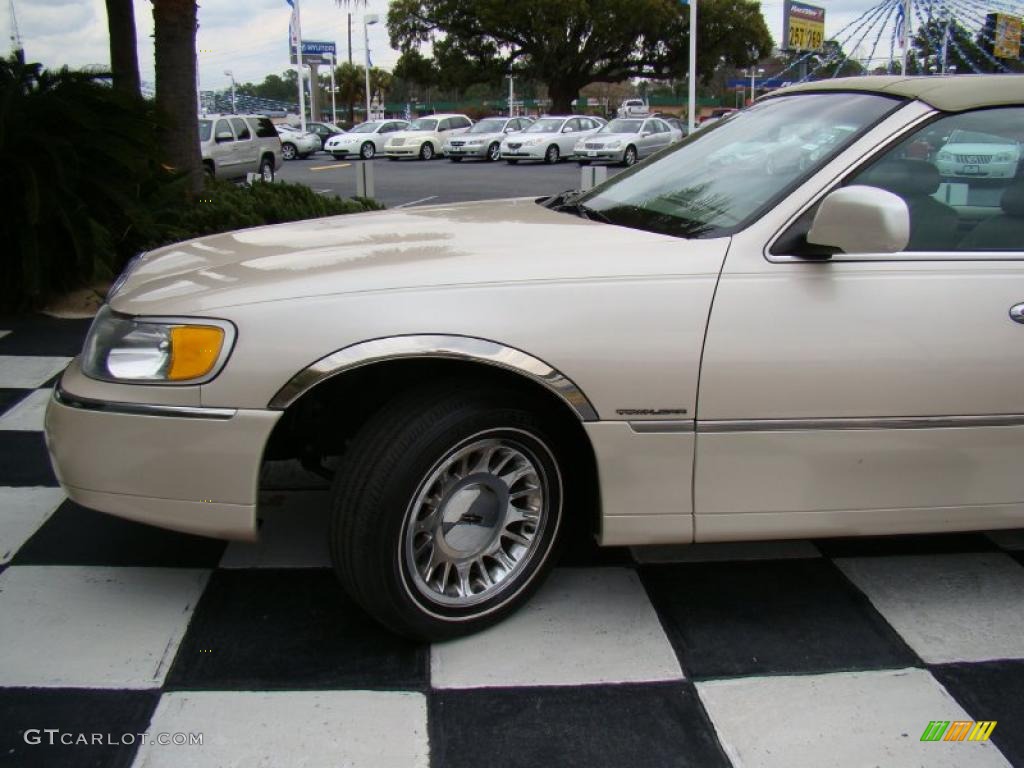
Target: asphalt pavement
<point>418,182</point>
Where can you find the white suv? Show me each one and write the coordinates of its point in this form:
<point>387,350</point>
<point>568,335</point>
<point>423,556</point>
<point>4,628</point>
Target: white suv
<point>424,136</point>
<point>234,146</point>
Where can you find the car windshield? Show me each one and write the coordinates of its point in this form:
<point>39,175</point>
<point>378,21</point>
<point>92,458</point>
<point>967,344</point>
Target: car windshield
<point>975,137</point>
<point>422,124</point>
<point>546,125</point>
<point>488,126</point>
<point>205,126</point>
<point>622,126</point>
<point>365,128</point>
<point>718,180</point>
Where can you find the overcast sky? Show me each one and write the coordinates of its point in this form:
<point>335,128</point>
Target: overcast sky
<point>250,37</point>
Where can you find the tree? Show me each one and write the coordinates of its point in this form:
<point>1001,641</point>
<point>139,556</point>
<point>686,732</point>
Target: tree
<point>174,38</point>
<point>124,57</point>
<point>568,44</point>
<point>274,87</point>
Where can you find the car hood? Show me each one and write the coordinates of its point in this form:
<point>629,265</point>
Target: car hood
<point>496,136</point>
<point>979,149</point>
<point>467,244</point>
<point>606,137</point>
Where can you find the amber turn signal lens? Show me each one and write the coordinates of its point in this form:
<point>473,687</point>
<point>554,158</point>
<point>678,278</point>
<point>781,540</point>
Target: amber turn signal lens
<point>194,351</point>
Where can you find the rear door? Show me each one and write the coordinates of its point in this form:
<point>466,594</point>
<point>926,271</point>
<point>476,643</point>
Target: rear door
<point>223,150</point>
<point>246,150</point>
<point>875,393</point>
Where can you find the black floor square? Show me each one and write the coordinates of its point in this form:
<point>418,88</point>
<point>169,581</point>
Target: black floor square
<point>290,629</point>
<point>641,726</point>
<point>24,460</point>
<point>991,690</point>
<point>43,335</point>
<point>923,544</point>
<point>10,397</point>
<point>121,714</point>
<point>770,617</point>
<point>75,535</point>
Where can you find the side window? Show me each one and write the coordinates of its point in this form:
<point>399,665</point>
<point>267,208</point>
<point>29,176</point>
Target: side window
<point>444,125</point>
<point>463,122</point>
<point>222,126</point>
<point>649,127</point>
<point>265,129</point>
<point>573,125</point>
<point>241,129</point>
<point>960,177</point>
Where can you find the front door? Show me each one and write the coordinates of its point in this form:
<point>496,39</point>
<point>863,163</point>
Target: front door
<point>879,393</point>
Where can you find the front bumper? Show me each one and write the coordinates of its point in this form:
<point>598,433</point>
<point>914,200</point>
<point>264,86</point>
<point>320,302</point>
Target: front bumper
<point>406,150</point>
<point>525,153</point>
<point>189,469</point>
<point>343,152</point>
<point>466,151</point>
<point>600,155</point>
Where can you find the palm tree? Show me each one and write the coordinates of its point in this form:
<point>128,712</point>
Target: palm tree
<point>124,58</point>
<point>174,37</point>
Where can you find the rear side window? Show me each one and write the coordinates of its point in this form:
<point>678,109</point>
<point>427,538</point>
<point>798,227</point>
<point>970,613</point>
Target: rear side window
<point>445,125</point>
<point>265,128</point>
<point>241,129</point>
<point>222,127</point>
<point>461,122</point>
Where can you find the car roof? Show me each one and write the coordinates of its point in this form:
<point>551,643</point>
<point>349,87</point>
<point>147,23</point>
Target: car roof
<point>949,93</point>
<point>444,114</point>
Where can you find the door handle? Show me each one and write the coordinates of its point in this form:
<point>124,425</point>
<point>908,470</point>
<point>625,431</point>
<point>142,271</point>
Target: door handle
<point>1017,313</point>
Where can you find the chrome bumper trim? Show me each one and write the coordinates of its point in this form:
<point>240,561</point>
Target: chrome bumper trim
<point>898,422</point>
<point>141,409</point>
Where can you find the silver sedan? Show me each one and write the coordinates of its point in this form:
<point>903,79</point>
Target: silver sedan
<point>484,139</point>
<point>625,140</point>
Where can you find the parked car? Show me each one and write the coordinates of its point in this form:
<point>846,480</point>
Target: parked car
<point>979,155</point>
<point>624,140</point>
<point>550,139</point>
<point>233,146</point>
<point>484,139</point>
<point>475,373</point>
<point>633,108</point>
<point>364,140</point>
<point>324,131</point>
<point>424,136</point>
<point>296,144</point>
<point>680,130</point>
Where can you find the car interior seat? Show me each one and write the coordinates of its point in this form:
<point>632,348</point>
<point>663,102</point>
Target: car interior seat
<point>1004,231</point>
<point>933,225</point>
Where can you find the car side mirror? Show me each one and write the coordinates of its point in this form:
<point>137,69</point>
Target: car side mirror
<point>224,136</point>
<point>861,219</point>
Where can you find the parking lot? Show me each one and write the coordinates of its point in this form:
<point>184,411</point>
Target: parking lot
<point>414,182</point>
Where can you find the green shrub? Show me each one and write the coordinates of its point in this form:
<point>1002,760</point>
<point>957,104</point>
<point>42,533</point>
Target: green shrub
<point>78,161</point>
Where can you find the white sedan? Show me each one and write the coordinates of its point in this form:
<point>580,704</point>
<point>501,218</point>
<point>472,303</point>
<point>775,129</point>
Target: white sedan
<point>550,139</point>
<point>976,154</point>
<point>365,140</point>
<point>296,144</point>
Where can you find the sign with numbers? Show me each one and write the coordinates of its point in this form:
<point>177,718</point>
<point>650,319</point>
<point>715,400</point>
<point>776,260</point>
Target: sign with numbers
<point>1006,41</point>
<point>803,26</point>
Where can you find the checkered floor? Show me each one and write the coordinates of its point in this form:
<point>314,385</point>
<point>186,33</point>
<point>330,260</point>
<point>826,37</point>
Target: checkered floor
<point>825,653</point>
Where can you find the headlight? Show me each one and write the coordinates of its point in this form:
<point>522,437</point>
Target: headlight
<point>613,145</point>
<point>1003,157</point>
<point>944,157</point>
<point>155,350</point>
<point>532,142</point>
<point>474,142</point>
<point>579,146</point>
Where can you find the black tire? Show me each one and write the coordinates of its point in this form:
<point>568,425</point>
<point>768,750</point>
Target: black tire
<point>629,157</point>
<point>552,155</point>
<point>267,170</point>
<point>393,461</point>
<point>289,151</point>
<point>368,150</point>
<point>511,161</point>
<point>427,151</point>
<point>494,152</point>
<point>208,170</point>
<point>455,159</point>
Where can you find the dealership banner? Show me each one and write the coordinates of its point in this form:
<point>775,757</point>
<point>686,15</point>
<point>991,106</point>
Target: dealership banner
<point>803,26</point>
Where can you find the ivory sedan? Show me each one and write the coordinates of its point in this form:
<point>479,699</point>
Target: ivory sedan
<point>477,374</point>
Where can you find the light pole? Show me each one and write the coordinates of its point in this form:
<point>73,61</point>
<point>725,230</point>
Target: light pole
<point>511,95</point>
<point>334,109</point>
<point>754,72</point>
<point>370,18</point>
<point>231,74</point>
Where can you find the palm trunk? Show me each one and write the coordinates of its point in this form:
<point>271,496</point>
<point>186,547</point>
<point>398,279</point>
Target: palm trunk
<point>174,35</point>
<point>124,59</point>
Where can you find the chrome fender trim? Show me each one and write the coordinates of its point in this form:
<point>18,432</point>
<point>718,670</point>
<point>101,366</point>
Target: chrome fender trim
<point>465,348</point>
<point>62,396</point>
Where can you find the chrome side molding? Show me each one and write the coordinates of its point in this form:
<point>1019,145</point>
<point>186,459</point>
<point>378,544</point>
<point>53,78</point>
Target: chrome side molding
<point>140,409</point>
<point>899,422</point>
<point>466,348</point>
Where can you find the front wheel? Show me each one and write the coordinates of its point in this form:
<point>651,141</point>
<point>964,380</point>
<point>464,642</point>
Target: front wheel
<point>289,151</point>
<point>427,151</point>
<point>267,170</point>
<point>368,150</point>
<point>552,156</point>
<point>629,157</point>
<point>494,152</point>
<point>446,516</point>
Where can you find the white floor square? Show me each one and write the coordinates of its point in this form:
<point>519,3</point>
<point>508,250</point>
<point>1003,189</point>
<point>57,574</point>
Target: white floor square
<point>583,626</point>
<point>726,550</point>
<point>293,534</point>
<point>22,511</point>
<point>93,627</point>
<point>839,720</point>
<point>29,372</point>
<point>305,729</point>
<point>28,413</point>
<point>962,607</point>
